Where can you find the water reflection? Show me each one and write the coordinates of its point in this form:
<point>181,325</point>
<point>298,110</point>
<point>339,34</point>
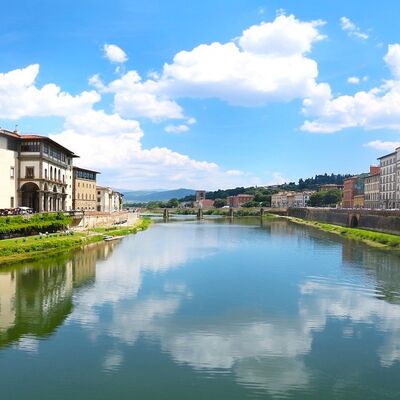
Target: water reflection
<point>36,297</point>
<point>279,309</point>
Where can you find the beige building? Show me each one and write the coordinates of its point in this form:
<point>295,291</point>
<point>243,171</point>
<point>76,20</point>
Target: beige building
<point>84,194</point>
<point>371,191</point>
<point>388,174</point>
<point>280,200</point>
<point>36,171</point>
<point>108,200</point>
<point>290,199</point>
<point>9,172</point>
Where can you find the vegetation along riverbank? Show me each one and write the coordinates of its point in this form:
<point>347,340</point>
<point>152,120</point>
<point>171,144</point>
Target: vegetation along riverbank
<point>372,238</point>
<point>34,247</point>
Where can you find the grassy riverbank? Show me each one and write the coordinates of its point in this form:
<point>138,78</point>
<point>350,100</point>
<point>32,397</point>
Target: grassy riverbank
<point>32,225</point>
<point>35,247</point>
<point>372,238</point>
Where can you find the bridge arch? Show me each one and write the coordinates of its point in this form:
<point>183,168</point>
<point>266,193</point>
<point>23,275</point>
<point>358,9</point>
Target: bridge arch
<point>353,221</point>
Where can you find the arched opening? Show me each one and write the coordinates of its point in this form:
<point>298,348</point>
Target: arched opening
<point>54,205</point>
<point>30,196</point>
<point>354,221</point>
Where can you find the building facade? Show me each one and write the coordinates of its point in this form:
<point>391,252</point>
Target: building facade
<point>108,200</point>
<point>291,199</point>
<point>37,172</point>
<point>371,189</point>
<point>84,194</point>
<point>388,173</point>
<point>239,200</point>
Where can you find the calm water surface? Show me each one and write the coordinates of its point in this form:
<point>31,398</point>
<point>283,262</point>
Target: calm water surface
<point>207,310</point>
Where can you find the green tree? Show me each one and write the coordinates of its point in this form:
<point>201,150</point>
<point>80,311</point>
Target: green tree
<point>219,203</point>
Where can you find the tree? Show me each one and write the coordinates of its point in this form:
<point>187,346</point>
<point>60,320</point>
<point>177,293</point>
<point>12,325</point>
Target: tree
<point>328,198</point>
<point>172,203</point>
<point>219,203</point>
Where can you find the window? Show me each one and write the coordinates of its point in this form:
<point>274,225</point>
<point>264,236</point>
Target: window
<point>45,173</point>
<point>29,172</point>
<point>12,202</point>
<point>30,146</point>
<point>12,172</point>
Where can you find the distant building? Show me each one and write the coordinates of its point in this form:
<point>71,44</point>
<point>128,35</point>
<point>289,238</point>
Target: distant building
<point>290,199</point>
<point>388,164</point>
<point>358,201</point>
<point>200,195</point>
<point>353,186</point>
<point>330,186</point>
<point>280,200</point>
<point>239,200</point>
<point>107,200</point>
<point>84,189</point>
<point>371,189</point>
<point>35,172</point>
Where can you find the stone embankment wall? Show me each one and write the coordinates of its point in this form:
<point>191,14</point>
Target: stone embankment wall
<point>377,220</point>
<point>94,219</point>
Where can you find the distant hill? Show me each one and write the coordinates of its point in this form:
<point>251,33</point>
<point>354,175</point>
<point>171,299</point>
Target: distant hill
<point>140,196</point>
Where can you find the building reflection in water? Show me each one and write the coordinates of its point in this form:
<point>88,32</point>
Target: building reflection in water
<point>36,298</point>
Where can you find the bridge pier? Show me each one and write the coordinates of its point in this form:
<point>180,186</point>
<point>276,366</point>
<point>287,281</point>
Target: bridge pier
<point>231,213</point>
<point>200,214</point>
<point>166,214</point>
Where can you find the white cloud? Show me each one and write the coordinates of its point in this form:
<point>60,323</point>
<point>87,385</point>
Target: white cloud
<point>383,145</point>
<point>353,80</point>
<point>352,29</point>
<point>136,98</point>
<point>392,59</point>
<point>20,97</point>
<point>378,108</point>
<point>114,53</point>
<point>176,128</point>
<point>267,63</point>
<point>285,36</point>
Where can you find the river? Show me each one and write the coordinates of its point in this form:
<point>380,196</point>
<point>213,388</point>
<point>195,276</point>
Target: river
<point>204,310</point>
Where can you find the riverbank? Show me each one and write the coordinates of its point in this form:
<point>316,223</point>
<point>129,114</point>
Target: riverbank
<point>371,238</point>
<point>35,247</point>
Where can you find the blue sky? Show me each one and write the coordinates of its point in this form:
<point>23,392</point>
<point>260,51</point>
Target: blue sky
<point>206,94</point>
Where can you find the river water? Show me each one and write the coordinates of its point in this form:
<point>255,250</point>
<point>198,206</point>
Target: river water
<point>204,310</point>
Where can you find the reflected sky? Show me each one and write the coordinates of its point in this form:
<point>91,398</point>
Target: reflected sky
<point>194,309</point>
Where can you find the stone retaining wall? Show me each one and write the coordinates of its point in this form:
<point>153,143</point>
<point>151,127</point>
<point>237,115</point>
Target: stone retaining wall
<point>377,220</point>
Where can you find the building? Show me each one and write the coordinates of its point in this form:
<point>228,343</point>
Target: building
<point>353,187</point>
<point>200,195</point>
<point>108,200</point>
<point>239,200</point>
<point>84,189</point>
<point>279,200</point>
<point>330,186</point>
<point>9,168</point>
<point>387,192</point>
<point>290,199</point>
<point>371,189</point>
<point>36,171</point>
<point>358,201</point>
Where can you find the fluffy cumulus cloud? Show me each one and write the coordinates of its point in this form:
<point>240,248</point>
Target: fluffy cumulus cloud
<point>267,63</point>
<point>113,144</point>
<point>114,53</point>
<point>352,29</point>
<point>105,141</point>
<point>20,97</point>
<point>378,108</point>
